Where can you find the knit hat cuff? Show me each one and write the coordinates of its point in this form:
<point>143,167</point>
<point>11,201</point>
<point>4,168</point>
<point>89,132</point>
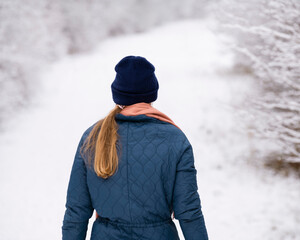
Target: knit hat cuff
<point>125,98</point>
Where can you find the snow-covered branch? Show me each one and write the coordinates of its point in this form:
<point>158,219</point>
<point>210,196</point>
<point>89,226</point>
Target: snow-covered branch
<point>268,40</point>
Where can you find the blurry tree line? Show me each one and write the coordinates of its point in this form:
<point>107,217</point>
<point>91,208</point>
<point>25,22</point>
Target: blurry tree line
<point>267,34</point>
<point>33,33</point>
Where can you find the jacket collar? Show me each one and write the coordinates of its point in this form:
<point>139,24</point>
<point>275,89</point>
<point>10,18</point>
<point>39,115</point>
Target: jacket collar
<point>143,111</point>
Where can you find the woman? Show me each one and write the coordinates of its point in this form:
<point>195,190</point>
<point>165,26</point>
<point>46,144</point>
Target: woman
<point>135,167</point>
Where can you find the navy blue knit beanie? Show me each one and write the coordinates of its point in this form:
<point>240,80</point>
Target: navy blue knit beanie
<point>135,81</point>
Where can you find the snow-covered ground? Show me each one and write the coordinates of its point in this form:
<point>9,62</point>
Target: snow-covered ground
<point>196,90</point>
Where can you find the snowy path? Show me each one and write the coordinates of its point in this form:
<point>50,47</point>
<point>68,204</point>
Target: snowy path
<point>38,148</point>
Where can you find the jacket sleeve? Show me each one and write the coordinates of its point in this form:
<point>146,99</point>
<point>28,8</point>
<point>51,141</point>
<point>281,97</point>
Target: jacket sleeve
<point>186,200</point>
<point>78,203</point>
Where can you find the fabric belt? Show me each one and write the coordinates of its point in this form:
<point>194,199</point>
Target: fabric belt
<point>129,224</point>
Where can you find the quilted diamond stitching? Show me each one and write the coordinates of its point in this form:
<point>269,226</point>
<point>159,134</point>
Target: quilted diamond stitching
<point>142,190</point>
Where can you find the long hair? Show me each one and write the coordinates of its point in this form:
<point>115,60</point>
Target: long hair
<point>102,145</point>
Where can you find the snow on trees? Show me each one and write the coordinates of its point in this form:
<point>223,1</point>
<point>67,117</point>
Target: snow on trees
<point>267,37</point>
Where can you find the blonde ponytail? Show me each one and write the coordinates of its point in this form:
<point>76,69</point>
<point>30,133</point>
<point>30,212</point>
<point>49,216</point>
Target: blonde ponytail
<point>102,141</point>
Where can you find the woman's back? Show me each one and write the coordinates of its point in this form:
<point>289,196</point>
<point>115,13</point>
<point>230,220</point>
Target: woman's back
<point>155,177</point>
<point>136,192</point>
<point>140,193</point>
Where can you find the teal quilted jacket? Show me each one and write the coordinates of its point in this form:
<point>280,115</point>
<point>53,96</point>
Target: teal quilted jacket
<point>156,177</point>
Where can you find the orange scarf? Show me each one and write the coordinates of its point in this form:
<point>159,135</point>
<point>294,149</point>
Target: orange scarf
<point>147,109</point>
